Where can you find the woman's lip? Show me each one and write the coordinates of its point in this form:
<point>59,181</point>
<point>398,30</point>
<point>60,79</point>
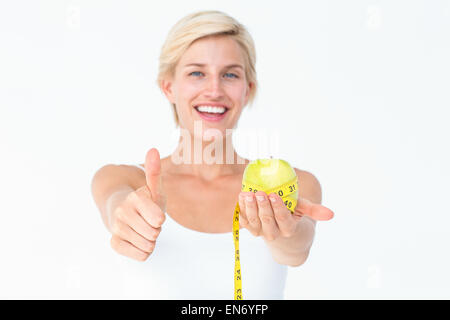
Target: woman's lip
<point>212,118</point>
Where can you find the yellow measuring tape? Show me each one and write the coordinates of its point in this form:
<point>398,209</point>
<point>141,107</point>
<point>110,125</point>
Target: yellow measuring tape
<point>284,191</point>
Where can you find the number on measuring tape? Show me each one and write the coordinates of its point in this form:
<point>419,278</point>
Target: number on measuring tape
<point>280,193</point>
<point>288,203</point>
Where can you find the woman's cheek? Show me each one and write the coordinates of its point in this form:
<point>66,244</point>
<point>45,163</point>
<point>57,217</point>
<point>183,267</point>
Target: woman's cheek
<point>238,93</point>
<point>190,88</point>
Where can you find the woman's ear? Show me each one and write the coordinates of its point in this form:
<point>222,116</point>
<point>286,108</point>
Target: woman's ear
<point>247,93</point>
<point>167,88</point>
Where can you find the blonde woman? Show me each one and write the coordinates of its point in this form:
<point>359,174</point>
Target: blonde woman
<point>175,217</point>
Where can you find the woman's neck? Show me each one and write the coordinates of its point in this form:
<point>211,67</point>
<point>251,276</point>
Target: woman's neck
<point>205,159</point>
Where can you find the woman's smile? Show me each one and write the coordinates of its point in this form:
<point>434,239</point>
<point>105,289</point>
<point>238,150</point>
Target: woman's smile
<point>210,112</point>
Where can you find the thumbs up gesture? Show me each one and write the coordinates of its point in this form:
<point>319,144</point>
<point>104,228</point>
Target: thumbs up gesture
<point>153,178</point>
<point>136,221</point>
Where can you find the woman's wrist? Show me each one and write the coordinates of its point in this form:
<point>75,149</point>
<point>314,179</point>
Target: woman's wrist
<point>294,250</point>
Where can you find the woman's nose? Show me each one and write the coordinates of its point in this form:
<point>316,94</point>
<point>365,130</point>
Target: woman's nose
<point>214,87</point>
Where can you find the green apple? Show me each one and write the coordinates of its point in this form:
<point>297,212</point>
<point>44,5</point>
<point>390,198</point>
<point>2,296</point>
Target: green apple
<point>267,174</point>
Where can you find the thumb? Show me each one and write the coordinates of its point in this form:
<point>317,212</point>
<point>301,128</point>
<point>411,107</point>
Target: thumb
<point>153,176</point>
<point>313,210</point>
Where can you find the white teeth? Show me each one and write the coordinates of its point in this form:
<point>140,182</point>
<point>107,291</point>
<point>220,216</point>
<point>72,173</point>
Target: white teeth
<point>211,109</point>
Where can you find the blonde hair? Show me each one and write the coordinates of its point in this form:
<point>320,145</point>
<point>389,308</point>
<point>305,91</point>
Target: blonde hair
<point>199,25</point>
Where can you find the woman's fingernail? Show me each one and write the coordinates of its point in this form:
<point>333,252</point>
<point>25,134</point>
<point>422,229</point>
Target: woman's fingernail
<point>249,198</point>
<point>273,199</point>
<point>260,198</point>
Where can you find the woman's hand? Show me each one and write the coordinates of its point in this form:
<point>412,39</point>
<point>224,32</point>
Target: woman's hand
<point>267,216</point>
<point>136,217</point>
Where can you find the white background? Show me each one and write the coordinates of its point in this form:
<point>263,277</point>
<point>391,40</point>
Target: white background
<point>357,90</point>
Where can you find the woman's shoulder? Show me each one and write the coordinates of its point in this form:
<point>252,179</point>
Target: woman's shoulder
<point>309,186</point>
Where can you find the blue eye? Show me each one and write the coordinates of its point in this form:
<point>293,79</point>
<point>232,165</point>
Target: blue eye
<point>194,72</point>
<point>234,76</point>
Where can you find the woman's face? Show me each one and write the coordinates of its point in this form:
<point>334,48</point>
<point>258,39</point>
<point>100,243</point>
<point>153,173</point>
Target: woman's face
<point>211,72</point>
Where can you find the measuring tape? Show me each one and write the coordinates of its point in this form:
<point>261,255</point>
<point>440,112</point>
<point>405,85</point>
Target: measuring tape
<point>284,191</point>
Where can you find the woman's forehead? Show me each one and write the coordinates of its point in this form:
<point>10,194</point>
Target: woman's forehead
<point>223,51</point>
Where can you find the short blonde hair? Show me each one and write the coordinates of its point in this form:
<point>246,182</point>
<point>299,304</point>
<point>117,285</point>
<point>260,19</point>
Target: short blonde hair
<point>199,25</point>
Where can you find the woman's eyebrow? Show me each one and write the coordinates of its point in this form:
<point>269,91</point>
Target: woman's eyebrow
<point>202,65</point>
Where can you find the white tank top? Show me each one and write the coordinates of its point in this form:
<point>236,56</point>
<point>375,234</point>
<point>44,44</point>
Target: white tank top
<point>188,264</point>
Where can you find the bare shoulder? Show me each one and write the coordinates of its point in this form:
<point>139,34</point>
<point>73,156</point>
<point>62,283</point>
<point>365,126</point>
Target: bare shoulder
<point>309,186</point>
